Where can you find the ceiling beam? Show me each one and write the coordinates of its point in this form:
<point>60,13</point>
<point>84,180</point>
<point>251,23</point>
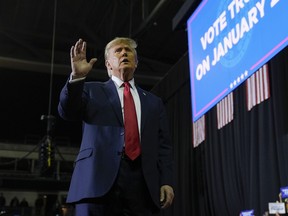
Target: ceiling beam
<point>180,19</point>
<point>61,69</point>
<point>145,23</point>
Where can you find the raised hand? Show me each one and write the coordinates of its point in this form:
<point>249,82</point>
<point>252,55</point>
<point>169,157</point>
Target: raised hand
<point>80,66</point>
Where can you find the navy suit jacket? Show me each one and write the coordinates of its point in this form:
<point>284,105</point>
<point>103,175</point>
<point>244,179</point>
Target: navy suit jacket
<point>97,104</point>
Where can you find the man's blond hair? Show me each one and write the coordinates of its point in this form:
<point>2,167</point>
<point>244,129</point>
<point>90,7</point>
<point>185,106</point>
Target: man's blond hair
<point>118,40</point>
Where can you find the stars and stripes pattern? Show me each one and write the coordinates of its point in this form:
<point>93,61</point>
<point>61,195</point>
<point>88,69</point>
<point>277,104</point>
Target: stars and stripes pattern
<point>199,131</point>
<point>258,87</point>
<point>225,111</point>
<point>257,91</point>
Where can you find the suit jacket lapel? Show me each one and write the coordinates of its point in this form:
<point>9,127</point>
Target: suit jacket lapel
<point>144,110</point>
<point>113,98</point>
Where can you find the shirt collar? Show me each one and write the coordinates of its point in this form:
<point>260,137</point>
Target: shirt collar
<point>119,82</point>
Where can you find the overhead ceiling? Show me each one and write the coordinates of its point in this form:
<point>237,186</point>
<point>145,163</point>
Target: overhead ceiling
<point>36,36</point>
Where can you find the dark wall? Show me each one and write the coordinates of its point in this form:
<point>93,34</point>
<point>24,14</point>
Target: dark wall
<point>239,167</point>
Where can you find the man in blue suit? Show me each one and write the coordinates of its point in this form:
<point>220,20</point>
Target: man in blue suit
<point>105,181</point>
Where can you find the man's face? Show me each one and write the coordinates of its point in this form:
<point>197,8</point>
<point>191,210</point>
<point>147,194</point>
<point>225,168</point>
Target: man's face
<point>121,61</point>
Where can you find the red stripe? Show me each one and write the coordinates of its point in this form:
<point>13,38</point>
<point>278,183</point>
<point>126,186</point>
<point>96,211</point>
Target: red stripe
<point>257,87</point>
<point>225,111</point>
<point>199,131</point>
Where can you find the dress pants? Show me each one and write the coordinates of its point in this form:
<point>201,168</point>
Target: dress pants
<point>129,195</point>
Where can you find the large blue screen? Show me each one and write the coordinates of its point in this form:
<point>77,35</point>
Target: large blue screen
<point>228,41</point>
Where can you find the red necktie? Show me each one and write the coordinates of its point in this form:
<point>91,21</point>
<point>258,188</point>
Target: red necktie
<point>132,140</point>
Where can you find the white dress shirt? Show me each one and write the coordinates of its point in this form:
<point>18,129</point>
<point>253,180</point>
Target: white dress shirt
<point>120,89</point>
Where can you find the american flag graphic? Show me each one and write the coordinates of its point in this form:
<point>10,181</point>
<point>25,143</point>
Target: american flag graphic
<point>258,87</point>
<point>199,131</point>
<point>225,111</point>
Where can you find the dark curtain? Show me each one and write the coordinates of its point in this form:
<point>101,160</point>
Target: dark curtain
<point>239,167</point>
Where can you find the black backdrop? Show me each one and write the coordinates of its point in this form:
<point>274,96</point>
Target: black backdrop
<point>239,167</point>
